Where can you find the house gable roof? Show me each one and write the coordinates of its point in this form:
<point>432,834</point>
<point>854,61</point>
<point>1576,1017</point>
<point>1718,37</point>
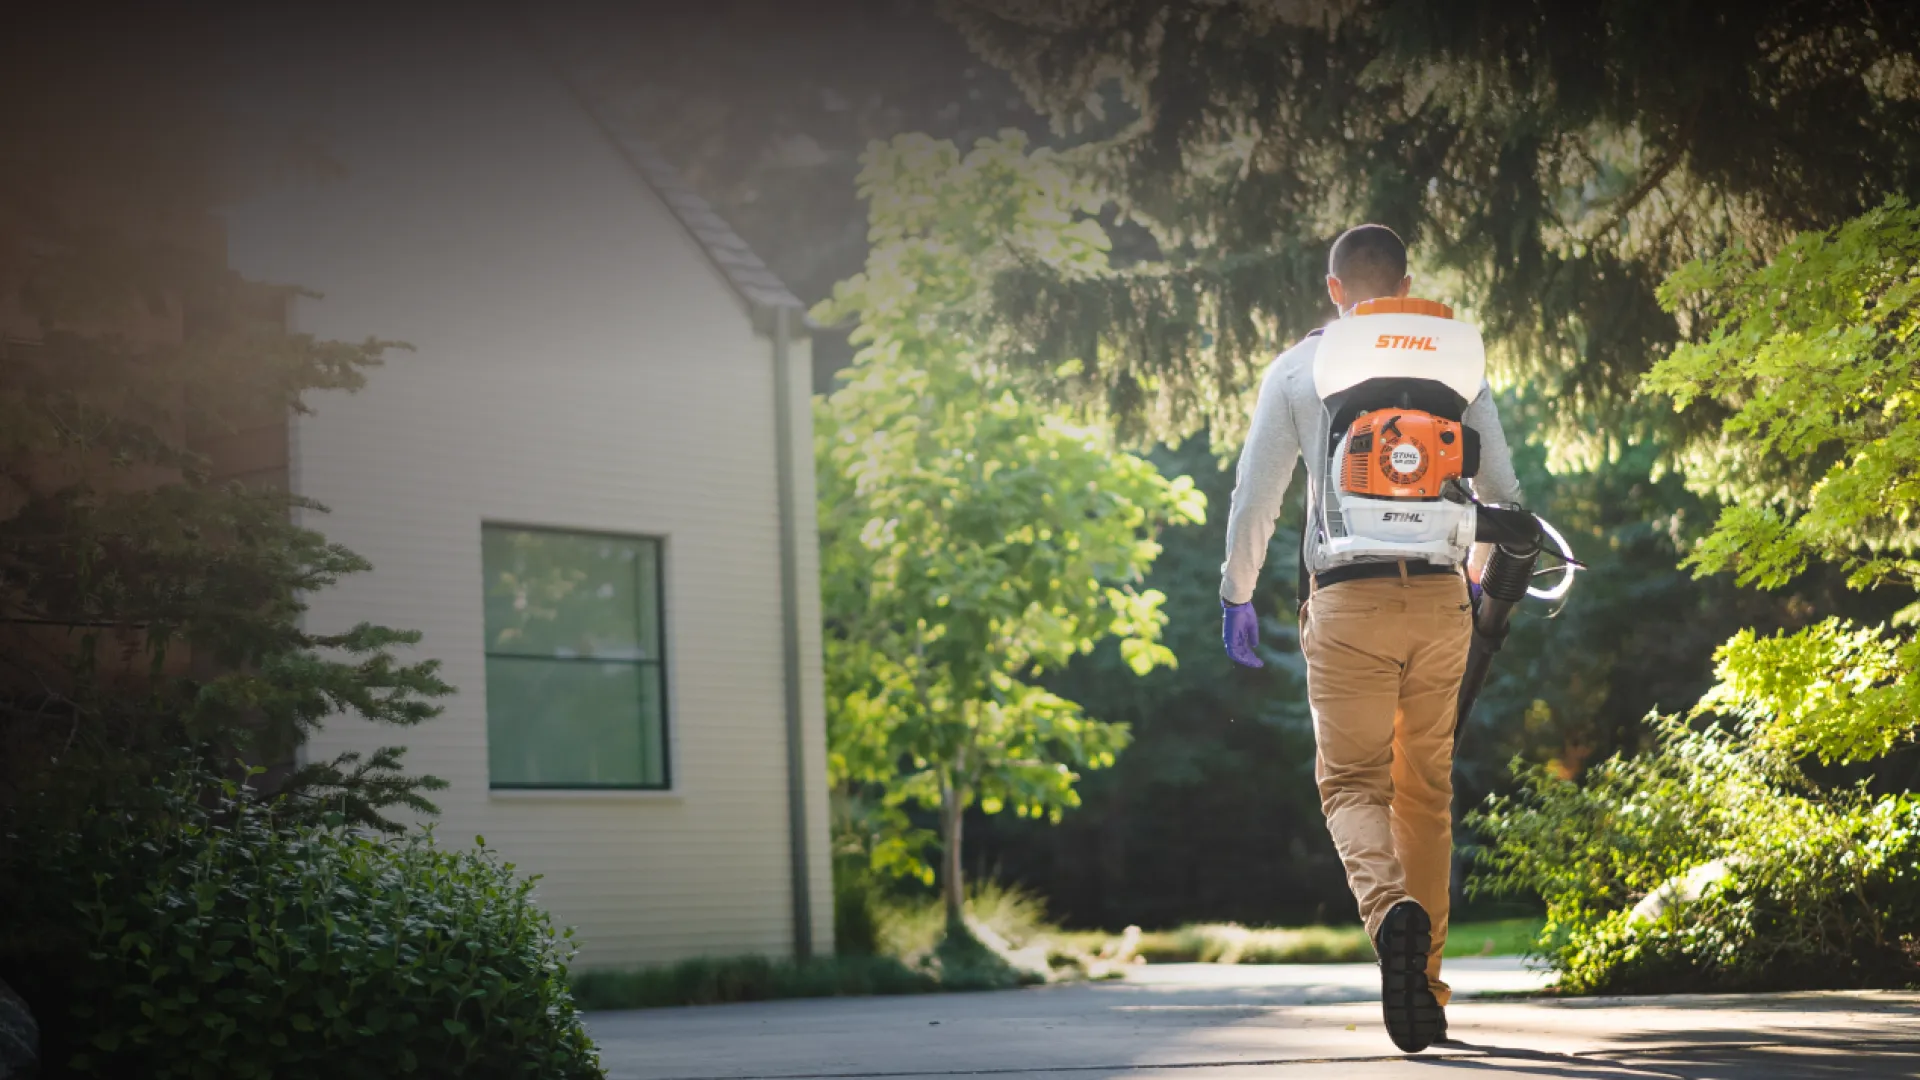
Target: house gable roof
<point>745,272</point>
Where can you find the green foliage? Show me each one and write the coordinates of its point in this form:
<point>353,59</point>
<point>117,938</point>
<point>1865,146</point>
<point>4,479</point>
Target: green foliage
<point>152,582</point>
<point>1814,358</point>
<point>856,905</point>
<point>766,107</point>
<point>1211,814</point>
<point>1838,692</point>
<point>970,540</point>
<point>1815,355</point>
<point>1550,164</point>
<point>1231,943</point>
<point>912,927</point>
<point>222,935</point>
<point>146,600</point>
<point>1751,872</point>
<point>1602,843</point>
<point>1795,887</point>
<point>748,978</point>
<point>967,963</point>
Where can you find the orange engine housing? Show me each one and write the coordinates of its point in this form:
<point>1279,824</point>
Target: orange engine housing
<point>1402,454</point>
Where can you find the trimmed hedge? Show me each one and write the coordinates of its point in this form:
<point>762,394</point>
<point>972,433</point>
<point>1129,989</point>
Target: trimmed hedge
<point>250,946</point>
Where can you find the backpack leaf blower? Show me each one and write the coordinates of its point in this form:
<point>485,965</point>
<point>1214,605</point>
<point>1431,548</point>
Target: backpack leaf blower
<point>1395,379</point>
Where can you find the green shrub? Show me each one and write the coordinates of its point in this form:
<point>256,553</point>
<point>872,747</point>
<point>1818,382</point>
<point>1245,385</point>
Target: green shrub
<point>1820,888</point>
<point>239,943</point>
<point>718,981</point>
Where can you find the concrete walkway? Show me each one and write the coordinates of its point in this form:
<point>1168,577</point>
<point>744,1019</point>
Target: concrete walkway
<point>1287,1022</point>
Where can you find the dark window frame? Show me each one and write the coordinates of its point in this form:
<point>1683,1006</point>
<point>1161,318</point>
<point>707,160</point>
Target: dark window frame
<point>659,663</point>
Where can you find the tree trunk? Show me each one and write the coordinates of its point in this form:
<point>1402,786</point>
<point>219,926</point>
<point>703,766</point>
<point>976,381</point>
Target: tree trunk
<point>952,886</point>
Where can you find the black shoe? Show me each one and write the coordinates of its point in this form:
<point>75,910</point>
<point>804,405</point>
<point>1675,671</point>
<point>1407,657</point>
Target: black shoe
<point>1414,1018</point>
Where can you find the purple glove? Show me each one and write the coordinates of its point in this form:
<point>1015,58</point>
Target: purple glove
<point>1240,630</point>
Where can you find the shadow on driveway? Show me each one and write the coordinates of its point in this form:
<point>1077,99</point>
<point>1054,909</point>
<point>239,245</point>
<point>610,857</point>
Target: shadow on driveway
<point>1810,1059</point>
<point>1309,1025</point>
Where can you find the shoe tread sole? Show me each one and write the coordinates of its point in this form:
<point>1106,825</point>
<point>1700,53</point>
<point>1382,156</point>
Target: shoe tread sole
<point>1413,1016</point>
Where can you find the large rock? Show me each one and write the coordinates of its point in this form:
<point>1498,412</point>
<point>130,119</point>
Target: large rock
<point>1678,892</point>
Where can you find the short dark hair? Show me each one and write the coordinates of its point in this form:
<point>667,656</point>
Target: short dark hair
<point>1369,260</point>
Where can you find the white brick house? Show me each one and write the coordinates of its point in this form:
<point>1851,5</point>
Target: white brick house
<point>574,487</point>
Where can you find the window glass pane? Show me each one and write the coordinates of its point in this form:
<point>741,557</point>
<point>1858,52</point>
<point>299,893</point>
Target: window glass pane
<point>554,594</point>
<point>646,573</point>
<point>574,723</point>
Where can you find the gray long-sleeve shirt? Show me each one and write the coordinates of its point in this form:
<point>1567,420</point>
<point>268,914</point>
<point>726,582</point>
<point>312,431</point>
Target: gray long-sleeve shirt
<point>1287,409</point>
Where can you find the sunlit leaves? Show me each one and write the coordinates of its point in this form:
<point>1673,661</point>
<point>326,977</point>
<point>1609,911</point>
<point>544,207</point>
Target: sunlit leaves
<point>1834,690</point>
<point>971,540</point>
<point>1814,358</point>
<point>1811,364</point>
<point>1807,888</point>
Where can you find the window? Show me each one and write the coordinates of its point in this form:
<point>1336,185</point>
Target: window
<point>576,687</point>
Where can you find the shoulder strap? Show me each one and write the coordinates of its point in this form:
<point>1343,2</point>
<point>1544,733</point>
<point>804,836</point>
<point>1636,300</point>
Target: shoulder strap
<point>1303,585</point>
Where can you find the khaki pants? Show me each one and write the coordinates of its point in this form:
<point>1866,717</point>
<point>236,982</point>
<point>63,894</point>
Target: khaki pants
<point>1384,660</point>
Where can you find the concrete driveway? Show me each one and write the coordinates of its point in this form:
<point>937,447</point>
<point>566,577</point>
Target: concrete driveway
<point>1288,1022</point>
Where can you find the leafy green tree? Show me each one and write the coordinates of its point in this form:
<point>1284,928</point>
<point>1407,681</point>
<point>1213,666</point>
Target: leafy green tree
<point>1788,815</point>
<point>1549,163</point>
<point>971,540</point>
<point>1814,358</point>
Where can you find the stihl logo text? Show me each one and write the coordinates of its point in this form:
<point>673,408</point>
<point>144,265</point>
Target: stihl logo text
<point>1395,515</point>
<point>1402,341</point>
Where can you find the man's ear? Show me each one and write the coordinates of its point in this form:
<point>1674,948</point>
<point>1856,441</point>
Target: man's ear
<point>1336,292</point>
<point>1406,286</point>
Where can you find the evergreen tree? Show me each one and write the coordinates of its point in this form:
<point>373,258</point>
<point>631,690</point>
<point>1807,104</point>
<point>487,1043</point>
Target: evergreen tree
<point>766,108</point>
<point>1548,163</point>
<point>150,610</point>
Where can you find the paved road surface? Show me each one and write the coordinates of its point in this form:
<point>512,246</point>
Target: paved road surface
<point>1283,1022</point>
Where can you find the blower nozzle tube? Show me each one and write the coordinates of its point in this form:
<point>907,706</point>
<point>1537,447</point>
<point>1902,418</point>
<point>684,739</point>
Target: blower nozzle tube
<point>1517,539</point>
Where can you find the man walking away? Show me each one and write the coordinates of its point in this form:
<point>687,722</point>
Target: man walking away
<point>1385,643</point>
